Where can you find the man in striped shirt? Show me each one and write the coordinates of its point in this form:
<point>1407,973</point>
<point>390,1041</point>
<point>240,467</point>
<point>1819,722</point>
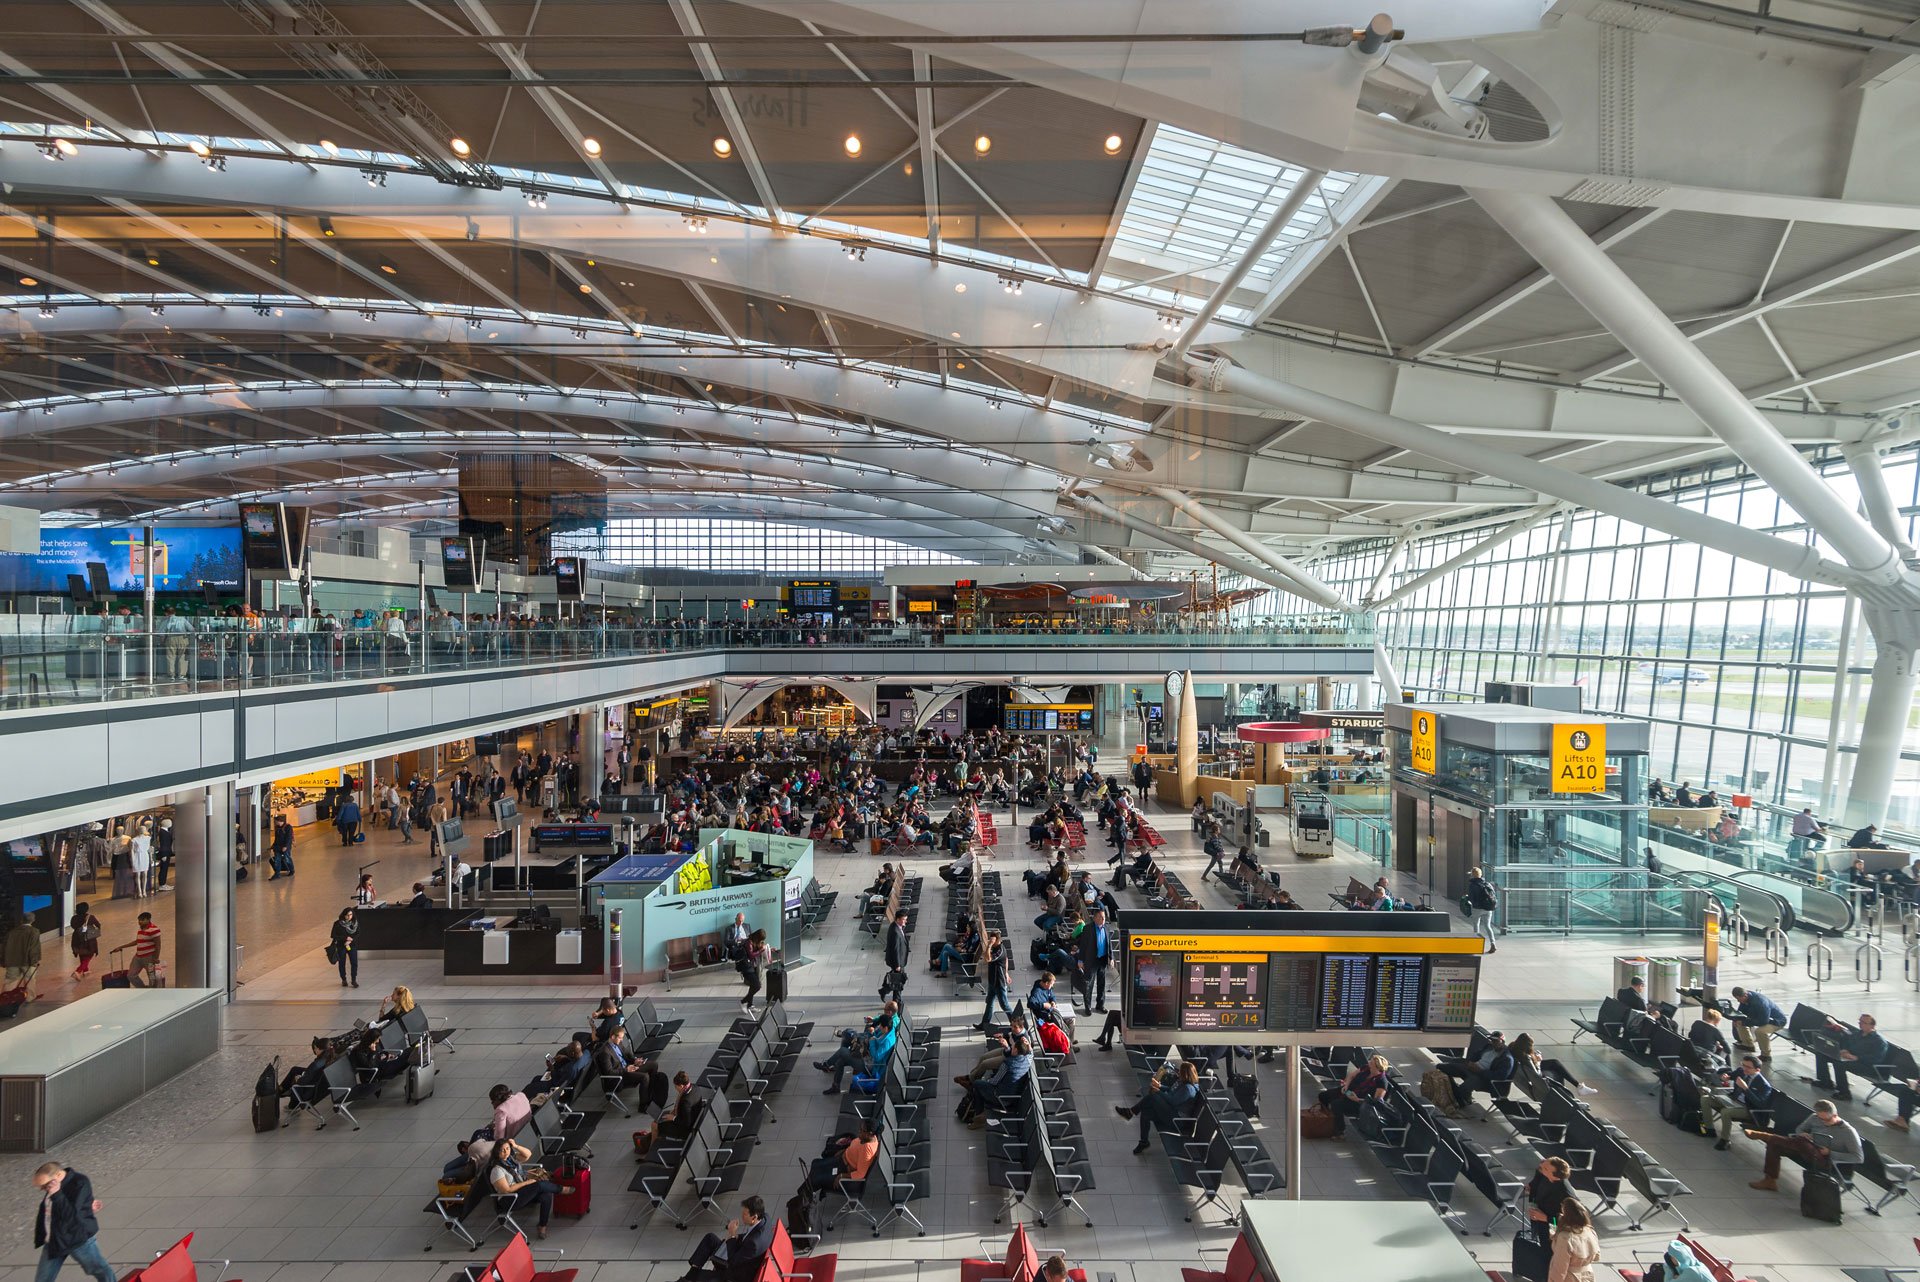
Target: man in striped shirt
<point>146,952</point>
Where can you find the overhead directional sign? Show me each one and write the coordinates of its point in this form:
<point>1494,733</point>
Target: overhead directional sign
<point>1424,747</point>
<point>1579,758</point>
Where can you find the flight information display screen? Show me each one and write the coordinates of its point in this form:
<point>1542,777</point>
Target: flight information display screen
<point>1222,991</point>
<point>1222,983</point>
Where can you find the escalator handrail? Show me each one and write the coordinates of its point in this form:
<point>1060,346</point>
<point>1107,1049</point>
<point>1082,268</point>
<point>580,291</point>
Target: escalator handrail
<point>1709,882</point>
<point>1846,902</point>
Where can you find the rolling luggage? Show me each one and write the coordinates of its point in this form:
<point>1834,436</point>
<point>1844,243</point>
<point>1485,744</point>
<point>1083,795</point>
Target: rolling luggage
<point>1531,1257</point>
<point>1820,1197</point>
<point>1246,1091</point>
<point>11,1001</point>
<point>776,983</point>
<point>115,979</point>
<point>576,1175</point>
<point>420,1072</point>
<point>266,1098</point>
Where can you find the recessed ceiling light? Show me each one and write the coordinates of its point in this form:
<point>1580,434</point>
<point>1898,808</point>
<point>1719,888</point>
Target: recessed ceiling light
<point>908,167</point>
<point>961,288</point>
<point>329,148</point>
<point>153,260</point>
<point>722,147</point>
<point>982,145</point>
<point>461,147</point>
<point>585,288</point>
<point>199,148</point>
<point>959,364</point>
<point>29,281</point>
<point>590,145</point>
<point>389,268</point>
<point>1113,144</point>
<point>852,144</point>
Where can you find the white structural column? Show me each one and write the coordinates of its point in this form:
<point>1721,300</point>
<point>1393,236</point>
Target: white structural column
<point>1306,582</point>
<point>1599,284</point>
<point>1877,499</point>
<point>203,899</point>
<point>1883,727</point>
<point>1796,559</point>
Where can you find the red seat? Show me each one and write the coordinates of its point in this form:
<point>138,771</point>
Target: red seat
<point>171,1265</point>
<point>515,1264</point>
<point>782,1264</point>
<point>1241,1266</point>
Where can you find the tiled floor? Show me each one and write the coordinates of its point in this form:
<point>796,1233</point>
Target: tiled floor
<point>345,1206</point>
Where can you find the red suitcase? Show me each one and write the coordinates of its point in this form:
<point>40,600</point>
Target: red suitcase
<point>577,1202</point>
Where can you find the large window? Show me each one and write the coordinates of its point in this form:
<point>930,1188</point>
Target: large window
<point>1738,667</point>
<point>715,544</point>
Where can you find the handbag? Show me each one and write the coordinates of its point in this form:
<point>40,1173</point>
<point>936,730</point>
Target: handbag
<point>333,954</point>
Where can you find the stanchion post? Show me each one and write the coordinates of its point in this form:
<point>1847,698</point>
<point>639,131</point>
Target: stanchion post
<point>1819,964</point>
<point>1867,963</point>
<point>1290,1103</point>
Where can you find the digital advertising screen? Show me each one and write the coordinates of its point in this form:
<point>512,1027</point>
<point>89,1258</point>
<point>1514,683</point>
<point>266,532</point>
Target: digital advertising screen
<point>1155,996</point>
<point>185,558</point>
<point>460,562</point>
<point>568,575</point>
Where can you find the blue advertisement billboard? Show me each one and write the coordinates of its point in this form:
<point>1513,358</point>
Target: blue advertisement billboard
<point>184,557</point>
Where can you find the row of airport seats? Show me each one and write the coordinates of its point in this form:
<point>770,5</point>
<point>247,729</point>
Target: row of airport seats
<point>1664,1050</point>
<point>816,903</point>
<point>1424,1151</point>
<point>901,1173</point>
<point>1215,1142</point>
<point>1034,1139</point>
<point>902,892</point>
<point>341,1088</point>
<point>754,1058</point>
<point>975,898</point>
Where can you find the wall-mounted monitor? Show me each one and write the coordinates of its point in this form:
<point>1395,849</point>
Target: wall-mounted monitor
<point>486,745</point>
<point>569,577</point>
<point>460,557</point>
<point>505,808</point>
<point>273,538</point>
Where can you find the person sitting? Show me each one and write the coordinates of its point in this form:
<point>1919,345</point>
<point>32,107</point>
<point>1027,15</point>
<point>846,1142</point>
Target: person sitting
<point>960,951</point>
<point>1283,899</point>
<point>313,1075</point>
<point>468,1163</point>
<point>526,1186</point>
<point>997,1087</point>
<point>1551,1069</point>
<point>611,1060</point>
<point>511,1112</point>
<point>1706,1034</point>
<point>606,1017</point>
<point>420,897</point>
<point>1818,1143</point>
<point>371,1065</point>
<point>1866,838</point>
<point>1367,1083</point>
<point>398,1003</point>
<point>1756,1018</point>
<point>676,1120</point>
<point>868,1046</point>
<point>1169,1095</point>
<point>1634,995</point>
<point>564,1069</point>
<point>1863,1047</point>
<point>1045,1008</point>
<point>1493,1066</point>
<point>846,1160</point>
<point>1741,1092</point>
<point>738,1256</point>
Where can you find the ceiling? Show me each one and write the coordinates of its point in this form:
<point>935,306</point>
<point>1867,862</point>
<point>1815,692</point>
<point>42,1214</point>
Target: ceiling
<point>747,263</point>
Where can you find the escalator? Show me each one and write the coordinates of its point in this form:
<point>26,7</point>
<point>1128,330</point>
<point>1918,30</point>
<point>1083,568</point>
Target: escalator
<point>1765,898</point>
<point>1762,908</point>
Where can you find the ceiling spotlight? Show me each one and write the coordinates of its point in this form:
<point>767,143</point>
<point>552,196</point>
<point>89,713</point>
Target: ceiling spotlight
<point>993,402</point>
<point>1170,320</point>
<point>461,148</point>
<point>326,227</point>
<point>695,222</point>
<point>218,164</point>
<point>473,230</point>
<point>261,309</point>
<point>833,431</point>
<point>473,322</point>
<point>523,397</point>
<point>153,259</point>
<point>48,309</point>
<point>787,362</point>
<point>327,146</point>
<point>156,308</point>
<point>66,147</point>
<point>367,314</point>
<point>852,144</point>
<point>585,288</point>
<point>29,281</point>
<point>722,148</point>
<point>590,145</point>
<point>599,400</point>
<point>855,249</point>
<point>982,145</point>
<point>1113,144</point>
<point>52,151</point>
<point>578,331</point>
<point>537,199</point>
<point>374,177</point>
<point>388,267</point>
<point>199,148</point>
<point>1010,284</point>
<point>444,393</point>
<point>891,380</point>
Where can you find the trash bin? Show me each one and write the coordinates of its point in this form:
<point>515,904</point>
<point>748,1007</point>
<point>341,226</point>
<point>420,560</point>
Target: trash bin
<point>1627,969</point>
<point>1663,981</point>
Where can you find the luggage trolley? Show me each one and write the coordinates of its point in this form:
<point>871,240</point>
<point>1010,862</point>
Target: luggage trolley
<point>1312,825</point>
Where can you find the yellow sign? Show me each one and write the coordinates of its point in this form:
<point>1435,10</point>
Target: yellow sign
<point>695,875</point>
<point>1579,758</point>
<point>919,607</point>
<point>318,779</point>
<point>1424,753</point>
<point>1236,943</point>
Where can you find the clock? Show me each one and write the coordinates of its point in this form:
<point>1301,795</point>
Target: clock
<point>1176,681</point>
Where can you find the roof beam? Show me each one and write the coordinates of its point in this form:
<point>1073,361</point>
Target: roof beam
<point>689,23</point>
<point>1367,192</point>
<point>923,126</point>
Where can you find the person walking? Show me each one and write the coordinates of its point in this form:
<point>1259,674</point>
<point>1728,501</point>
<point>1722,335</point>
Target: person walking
<point>348,820</point>
<point>995,968</point>
<point>280,849</point>
<point>1482,900</point>
<point>1576,1248</point>
<point>753,967</point>
<point>21,955</point>
<point>898,950</point>
<point>1096,956</point>
<point>340,950</point>
<point>65,1227</point>
<point>83,937</point>
<point>143,973</point>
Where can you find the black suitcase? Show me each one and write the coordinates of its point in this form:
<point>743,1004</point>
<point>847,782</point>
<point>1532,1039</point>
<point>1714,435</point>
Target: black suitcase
<point>1246,1092</point>
<point>1820,1197</point>
<point>266,1112</point>
<point>496,845</point>
<point>1531,1257</point>
<point>776,983</point>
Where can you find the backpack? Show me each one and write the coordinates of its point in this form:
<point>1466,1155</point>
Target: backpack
<point>1054,1038</point>
<point>1437,1088</point>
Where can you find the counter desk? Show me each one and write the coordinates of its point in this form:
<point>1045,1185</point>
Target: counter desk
<point>474,954</point>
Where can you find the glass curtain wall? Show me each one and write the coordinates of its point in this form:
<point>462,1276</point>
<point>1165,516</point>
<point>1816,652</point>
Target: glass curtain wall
<point>1737,666</point>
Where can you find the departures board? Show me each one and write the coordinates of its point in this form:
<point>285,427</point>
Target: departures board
<point>1248,986</point>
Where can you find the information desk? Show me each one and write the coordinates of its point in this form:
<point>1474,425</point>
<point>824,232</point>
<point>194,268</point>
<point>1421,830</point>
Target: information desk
<point>1317,1241</point>
<point>71,1067</point>
<point>398,929</point>
<point>472,954</point>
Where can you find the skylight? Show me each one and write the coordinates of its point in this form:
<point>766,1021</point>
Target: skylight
<point>1195,210</point>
